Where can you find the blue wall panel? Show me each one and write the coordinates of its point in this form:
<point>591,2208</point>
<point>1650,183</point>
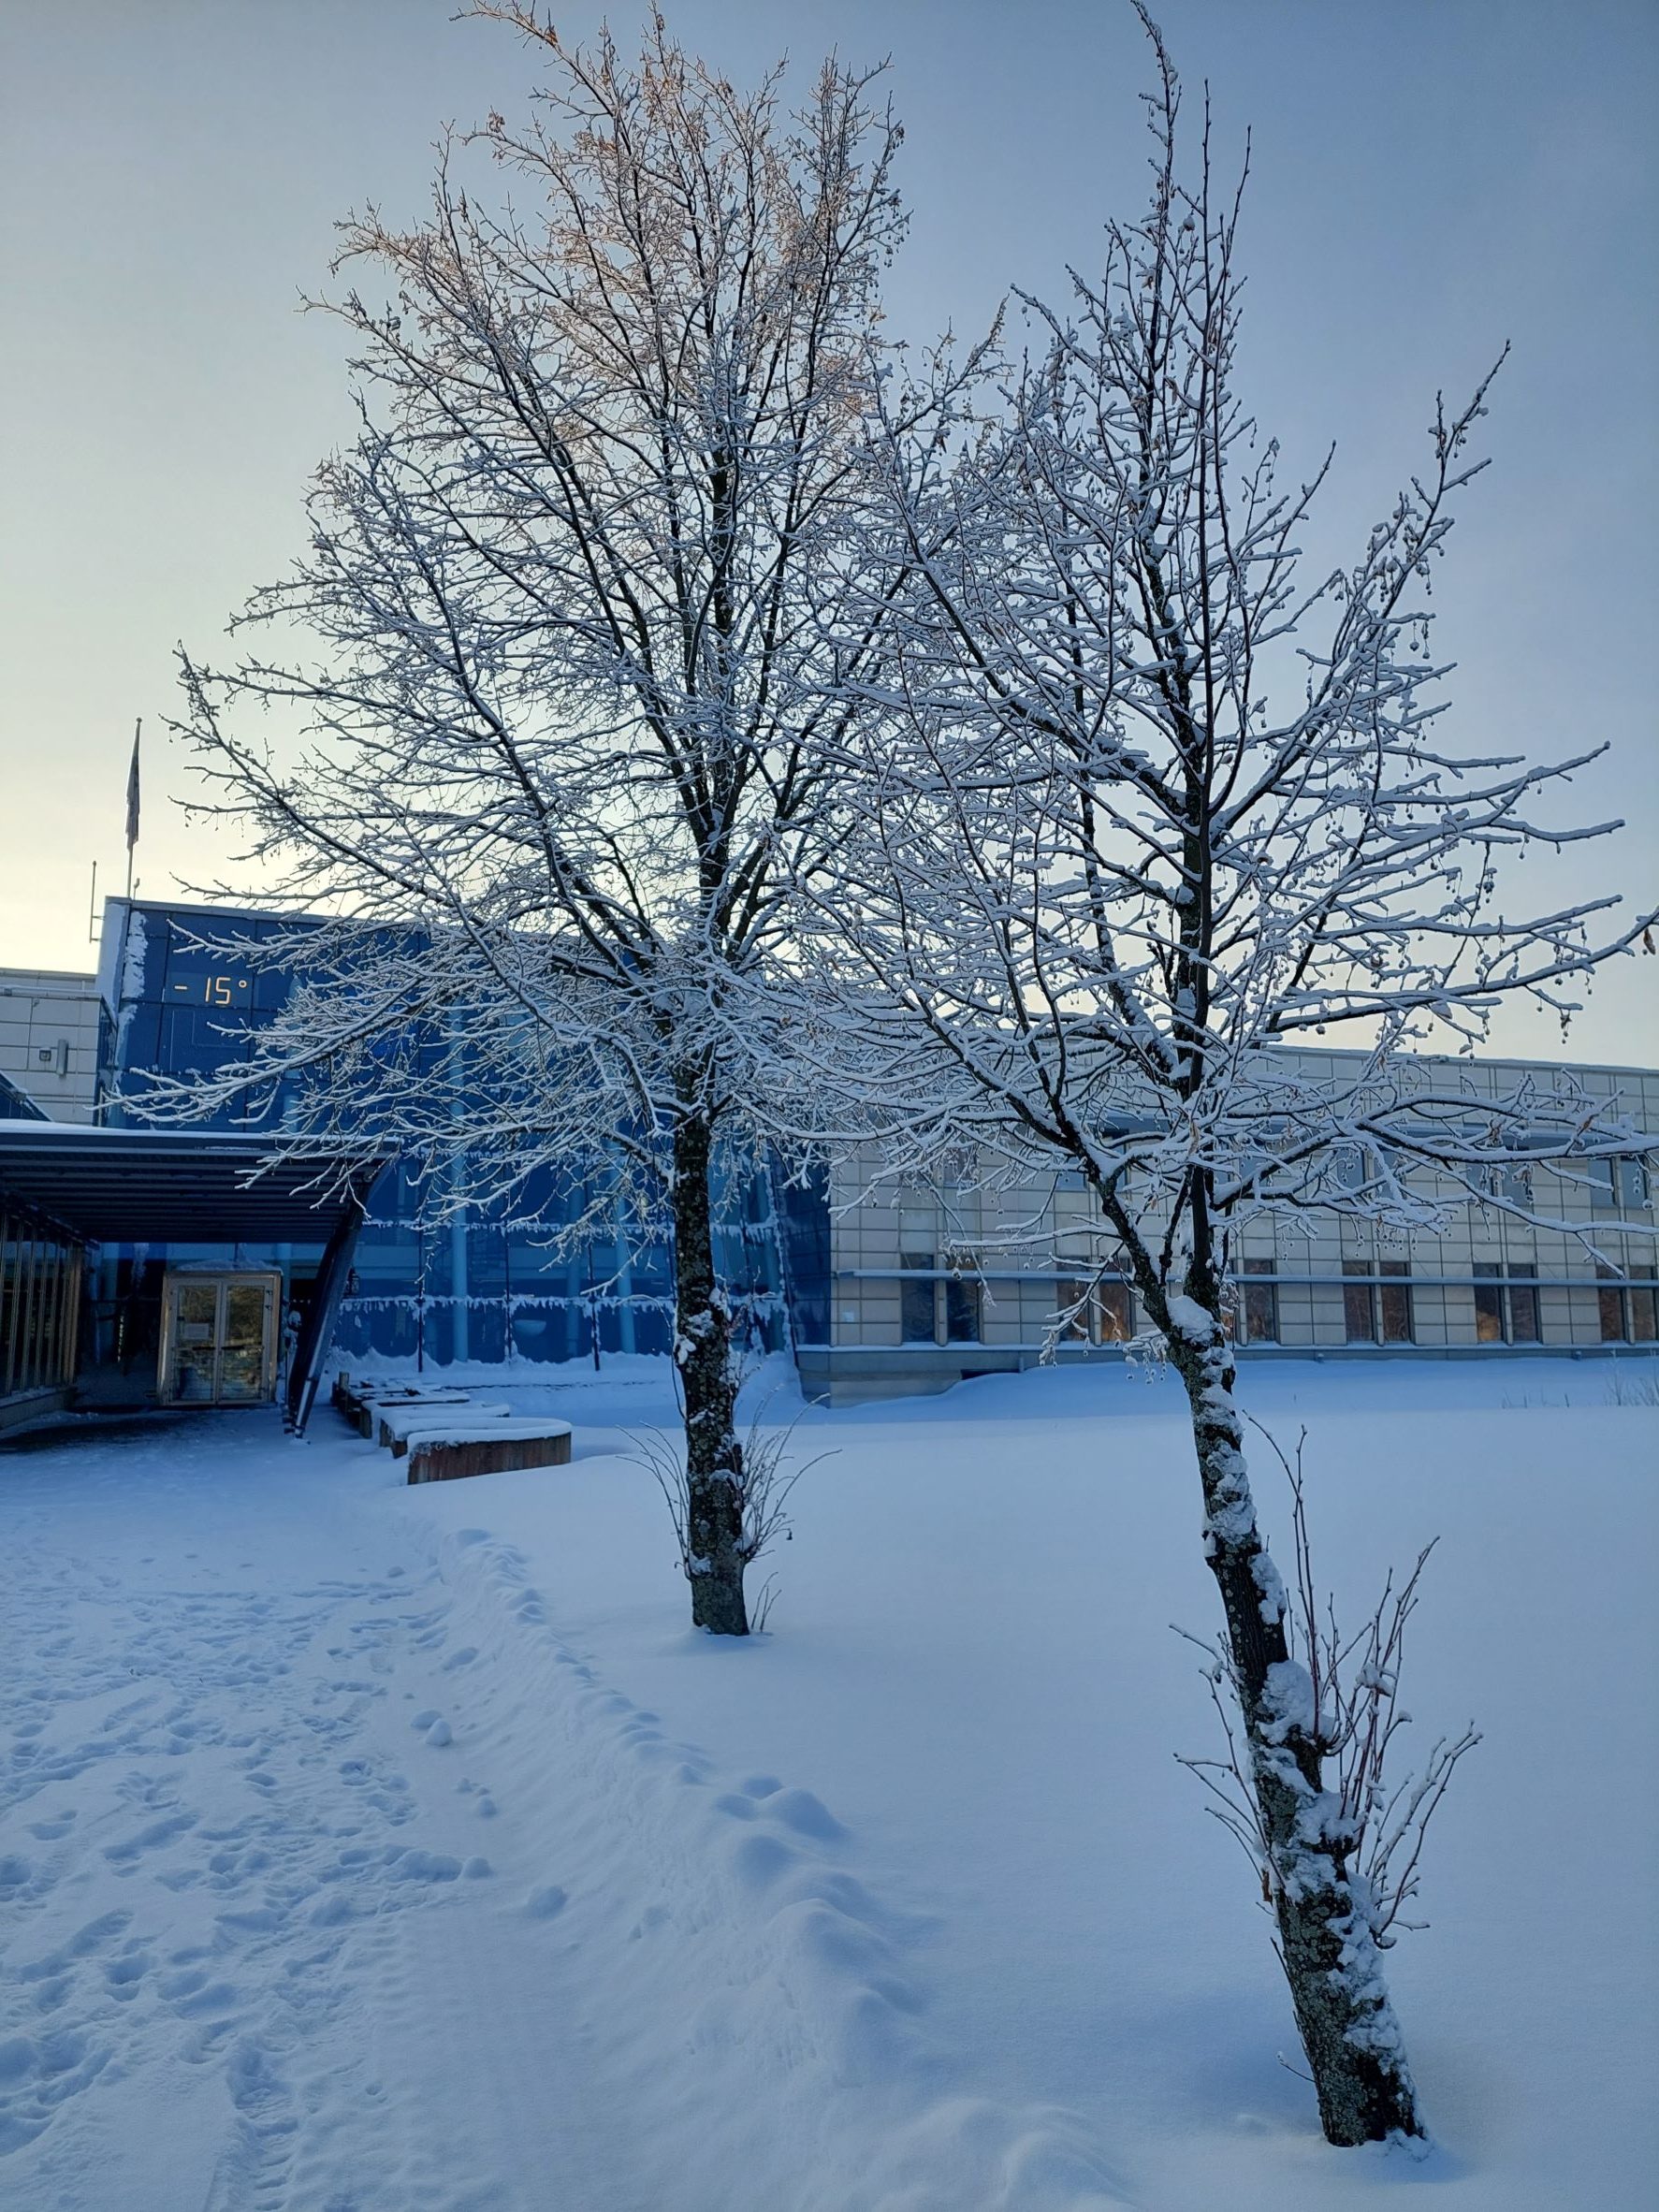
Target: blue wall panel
<point>186,1001</point>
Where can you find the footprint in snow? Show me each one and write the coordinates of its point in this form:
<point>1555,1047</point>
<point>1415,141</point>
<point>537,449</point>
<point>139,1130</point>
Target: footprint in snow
<point>758,1861</point>
<point>422,1866</point>
<point>124,1856</point>
<point>806,1815</point>
<point>798,1810</point>
<point>122,1976</point>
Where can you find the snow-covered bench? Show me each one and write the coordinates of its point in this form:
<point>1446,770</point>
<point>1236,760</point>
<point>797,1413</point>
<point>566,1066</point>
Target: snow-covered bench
<point>360,1403</point>
<point>398,1422</point>
<point>347,1392</point>
<point>468,1446</point>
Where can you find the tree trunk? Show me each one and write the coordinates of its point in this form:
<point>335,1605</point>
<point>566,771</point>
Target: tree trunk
<point>709,1384</point>
<point>1348,2025</point>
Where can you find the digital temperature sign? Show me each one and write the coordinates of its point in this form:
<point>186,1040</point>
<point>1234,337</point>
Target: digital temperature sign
<point>213,990</point>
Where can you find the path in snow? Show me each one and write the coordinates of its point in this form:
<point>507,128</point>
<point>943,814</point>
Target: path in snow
<point>228,1849</point>
<point>336,1880</point>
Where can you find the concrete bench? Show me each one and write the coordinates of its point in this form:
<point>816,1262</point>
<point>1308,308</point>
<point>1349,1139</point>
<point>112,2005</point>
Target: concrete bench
<point>398,1422</point>
<point>444,1454</point>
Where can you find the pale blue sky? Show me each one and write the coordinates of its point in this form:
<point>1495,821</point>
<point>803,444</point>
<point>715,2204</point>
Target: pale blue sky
<point>1432,177</point>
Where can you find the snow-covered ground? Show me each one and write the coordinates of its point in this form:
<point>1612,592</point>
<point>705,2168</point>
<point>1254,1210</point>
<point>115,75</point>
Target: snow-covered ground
<point>376,1848</point>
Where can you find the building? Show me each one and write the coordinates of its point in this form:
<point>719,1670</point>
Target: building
<point>924,1293</point>
<point>49,1039</point>
<point>144,1266</point>
<point>198,1296</point>
<point>178,992</point>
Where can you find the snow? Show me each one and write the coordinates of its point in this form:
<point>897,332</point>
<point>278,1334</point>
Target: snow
<point>480,1424</point>
<point>369,1848</point>
<point>1189,1318</point>
<point>396,1422</point>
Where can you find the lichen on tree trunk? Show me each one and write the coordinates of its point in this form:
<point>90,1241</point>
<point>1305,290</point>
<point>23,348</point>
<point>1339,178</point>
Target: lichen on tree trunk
<point>1348,2031</point>
<point>713,1538</point>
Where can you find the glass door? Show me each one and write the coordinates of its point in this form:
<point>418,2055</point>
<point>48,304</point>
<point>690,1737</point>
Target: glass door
<point>193,1317</point>
<point>218,1339</point>
<point>245,1340</point>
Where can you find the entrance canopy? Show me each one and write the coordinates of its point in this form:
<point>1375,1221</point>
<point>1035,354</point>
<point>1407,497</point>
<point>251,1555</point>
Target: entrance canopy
<point>186,1187</point>
<point>193,1187</point>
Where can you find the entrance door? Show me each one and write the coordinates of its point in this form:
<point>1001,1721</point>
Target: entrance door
<point>218,1339</point>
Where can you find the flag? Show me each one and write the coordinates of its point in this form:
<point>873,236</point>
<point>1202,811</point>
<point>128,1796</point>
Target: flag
<point>132,795</point>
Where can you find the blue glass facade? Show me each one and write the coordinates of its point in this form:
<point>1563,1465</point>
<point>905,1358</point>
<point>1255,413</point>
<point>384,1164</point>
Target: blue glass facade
<point>488,1287</point>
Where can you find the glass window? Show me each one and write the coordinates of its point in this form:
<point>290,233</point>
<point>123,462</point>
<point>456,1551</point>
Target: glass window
<point>38,1300</point>
<point>1610,1299</point>
<point>1633,1185</point>
<point>1394,1298</point>
<point>486,1260</point>
<point>12,1307</point>
<point>546,1331</point>
<point>917,1323</point>
<point>533,1266</point>
<point>486,1332</point>
<point>1488,1303</point>
<point>1260,1303</point>
<point>1114,1320</point>
<point>1523,1303</point>
<point>395,1332</point>
<point>9,1276</point>
<point>1358,1302</point>
<point>963,1295</point>
<point>1629,1311</point>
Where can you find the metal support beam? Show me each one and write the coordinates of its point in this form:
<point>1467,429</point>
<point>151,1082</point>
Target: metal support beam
<point>316,1332</point>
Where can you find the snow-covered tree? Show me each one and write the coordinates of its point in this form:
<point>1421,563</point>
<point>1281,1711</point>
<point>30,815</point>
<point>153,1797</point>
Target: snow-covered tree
<point>550,692</point>
<point>1153,808</point>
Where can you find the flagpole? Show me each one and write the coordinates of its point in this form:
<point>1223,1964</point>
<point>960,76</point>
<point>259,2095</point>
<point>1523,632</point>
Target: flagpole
<point>132,805</point>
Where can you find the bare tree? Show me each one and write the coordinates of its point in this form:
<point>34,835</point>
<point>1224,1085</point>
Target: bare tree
<point>551,688</point>
<point>1356,1716</point>
<point>1153,815</point>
